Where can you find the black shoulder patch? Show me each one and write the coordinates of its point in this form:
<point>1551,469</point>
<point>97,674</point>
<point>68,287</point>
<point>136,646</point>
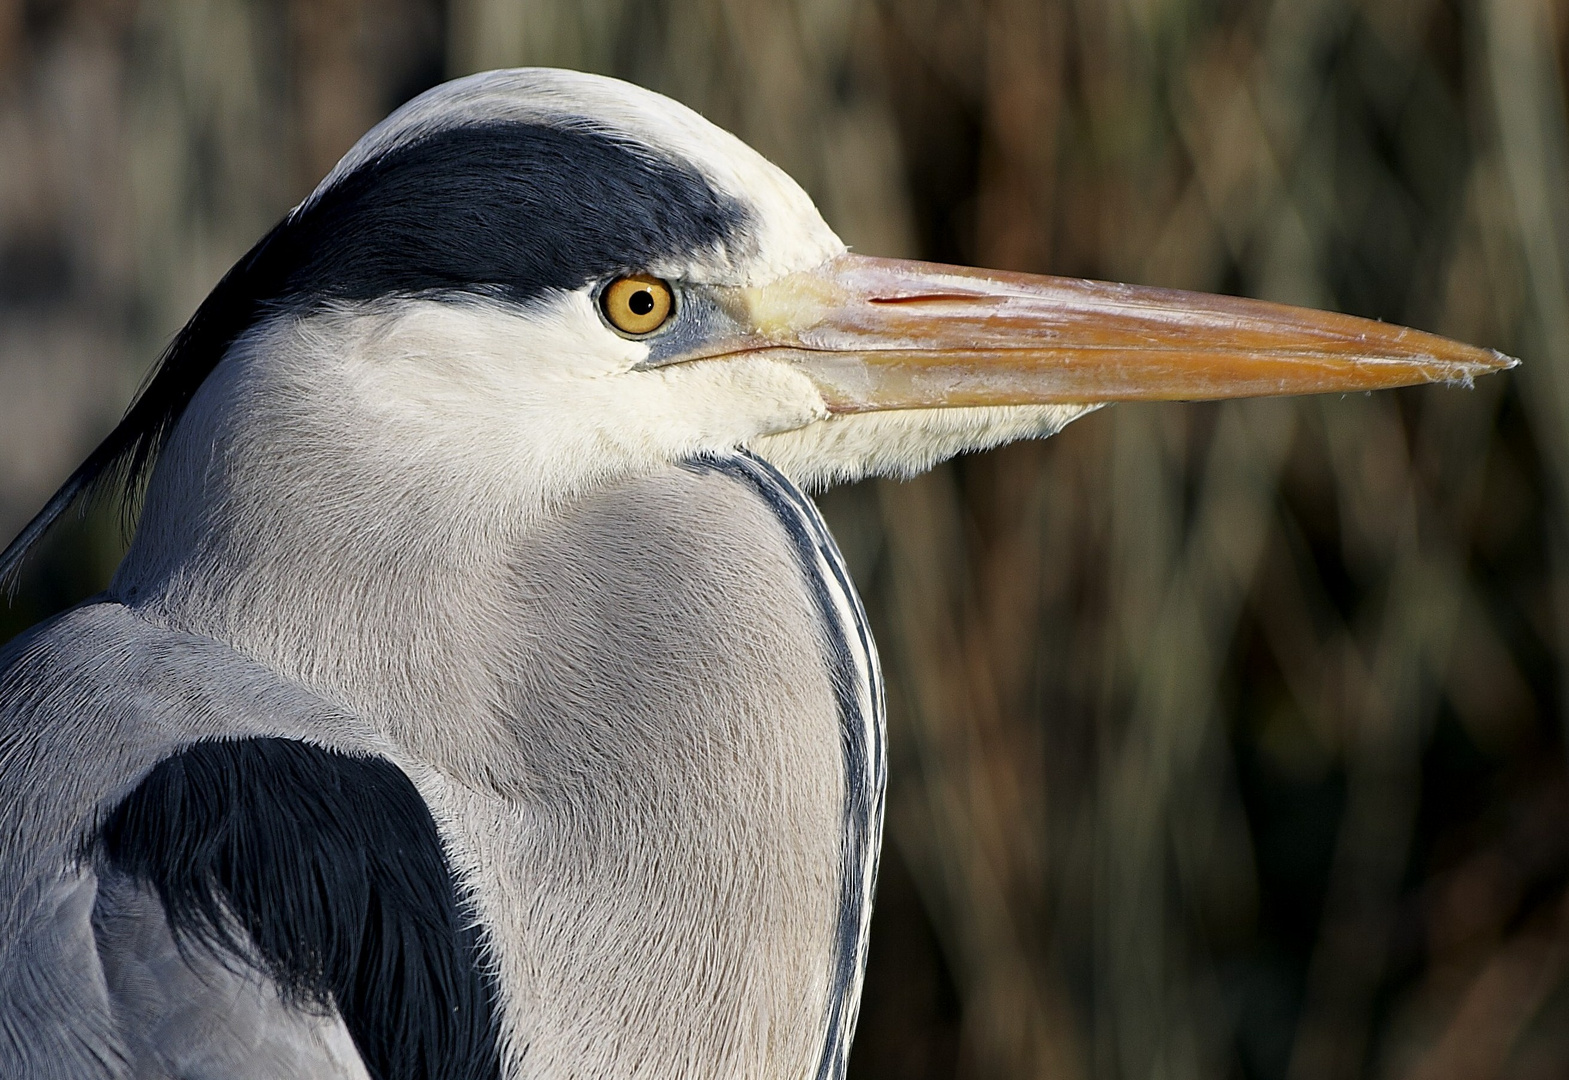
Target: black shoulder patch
<point>508,210</point>
<point>332,867</point>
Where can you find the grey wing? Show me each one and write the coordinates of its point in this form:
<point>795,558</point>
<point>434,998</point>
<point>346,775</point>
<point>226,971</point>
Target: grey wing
<point>55,1018</point>
<point>190,1016</point>
<point>99,988</point>
<point>92,986</point>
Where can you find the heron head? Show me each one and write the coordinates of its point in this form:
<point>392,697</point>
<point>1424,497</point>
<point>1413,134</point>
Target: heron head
<point>525,282</point>
<point>570,276</point>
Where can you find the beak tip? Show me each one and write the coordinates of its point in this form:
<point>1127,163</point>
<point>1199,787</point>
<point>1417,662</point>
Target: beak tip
<point>1466,374</point>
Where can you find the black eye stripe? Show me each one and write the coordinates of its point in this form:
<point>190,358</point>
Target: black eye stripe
<point>519,208</point>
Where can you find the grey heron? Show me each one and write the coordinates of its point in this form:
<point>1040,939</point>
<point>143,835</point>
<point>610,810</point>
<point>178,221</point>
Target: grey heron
<point>479,695</point>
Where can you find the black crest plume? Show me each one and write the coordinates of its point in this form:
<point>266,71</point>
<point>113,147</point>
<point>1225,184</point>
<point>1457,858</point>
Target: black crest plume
<point>123,459</point>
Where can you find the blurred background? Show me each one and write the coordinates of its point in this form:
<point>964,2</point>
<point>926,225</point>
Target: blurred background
<point>1228,740</point>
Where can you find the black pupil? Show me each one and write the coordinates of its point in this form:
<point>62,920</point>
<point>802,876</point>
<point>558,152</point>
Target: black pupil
<point>641,302</point>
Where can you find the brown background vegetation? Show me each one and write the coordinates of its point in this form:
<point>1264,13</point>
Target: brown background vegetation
<point>1228,739</point>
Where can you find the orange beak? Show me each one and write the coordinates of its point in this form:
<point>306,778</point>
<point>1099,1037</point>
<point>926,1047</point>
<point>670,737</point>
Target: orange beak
<point>878,334</point>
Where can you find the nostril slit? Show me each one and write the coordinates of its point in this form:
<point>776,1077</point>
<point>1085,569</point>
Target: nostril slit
<point>923,298</point>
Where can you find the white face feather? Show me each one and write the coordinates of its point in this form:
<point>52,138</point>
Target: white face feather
<point>530,404</point>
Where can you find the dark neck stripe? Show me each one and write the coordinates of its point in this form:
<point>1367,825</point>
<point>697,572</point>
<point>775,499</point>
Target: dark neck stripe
<point>858,688</point>
<point>327,872</point>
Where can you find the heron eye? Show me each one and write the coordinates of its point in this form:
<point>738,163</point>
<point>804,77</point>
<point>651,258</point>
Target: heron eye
<point>638,304</point>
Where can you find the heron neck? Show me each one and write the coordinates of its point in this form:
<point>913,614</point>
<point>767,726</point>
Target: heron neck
<point>620,713</point>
